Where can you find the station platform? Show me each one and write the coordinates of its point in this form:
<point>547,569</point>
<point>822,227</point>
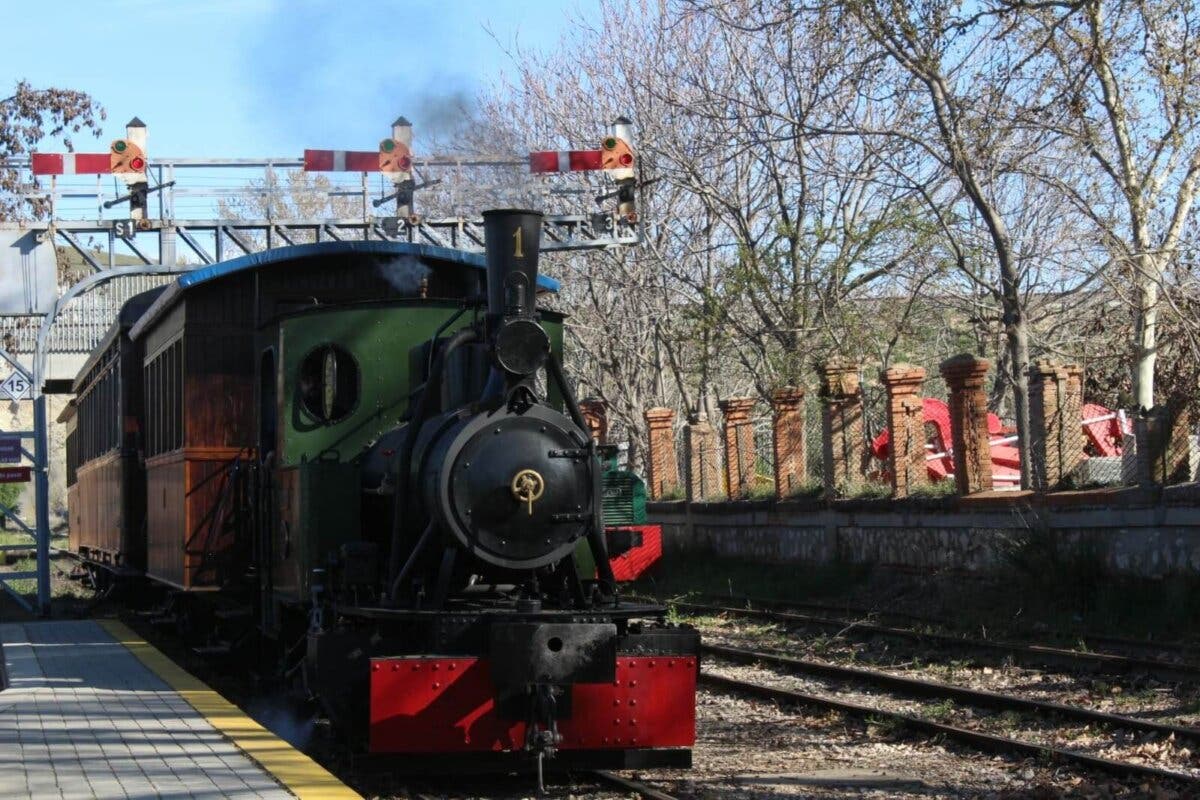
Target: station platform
<point>89,710</point>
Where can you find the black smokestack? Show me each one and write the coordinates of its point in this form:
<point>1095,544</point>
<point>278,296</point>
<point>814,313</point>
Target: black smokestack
<point>512,238</point>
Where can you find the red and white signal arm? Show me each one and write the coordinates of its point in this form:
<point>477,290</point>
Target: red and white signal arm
<point>546,161</point>
<point>126,158</point>
<point>340,161</point>
<point>69,164</point>
<point>615,155</point>
<point>393,158</point>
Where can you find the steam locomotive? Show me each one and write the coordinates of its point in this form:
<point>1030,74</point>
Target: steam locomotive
<point>363,460</point>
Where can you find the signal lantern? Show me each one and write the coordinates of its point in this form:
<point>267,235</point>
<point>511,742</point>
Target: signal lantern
<point>127,159</point>
<point>395,159</point>
<point>616,154</point>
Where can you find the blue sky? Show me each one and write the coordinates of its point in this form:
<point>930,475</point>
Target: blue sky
<point>239,78</point>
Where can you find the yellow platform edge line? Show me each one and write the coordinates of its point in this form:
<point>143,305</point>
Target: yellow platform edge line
<point>298,773</point>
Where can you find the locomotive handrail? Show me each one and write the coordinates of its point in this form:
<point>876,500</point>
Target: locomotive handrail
<point>596,532</point>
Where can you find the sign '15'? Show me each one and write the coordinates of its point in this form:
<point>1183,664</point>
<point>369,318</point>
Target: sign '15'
<point>15,387</point>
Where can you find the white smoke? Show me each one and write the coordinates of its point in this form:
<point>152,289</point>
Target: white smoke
<point>404,273</point>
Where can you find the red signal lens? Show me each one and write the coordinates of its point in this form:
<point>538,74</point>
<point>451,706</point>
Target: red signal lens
<point>626,159</point>
<point>405,163</point>
<point>137,164</point>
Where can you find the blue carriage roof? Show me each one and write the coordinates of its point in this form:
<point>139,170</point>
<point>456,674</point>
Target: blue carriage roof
<point>369,247</point>
<point>319,249</point>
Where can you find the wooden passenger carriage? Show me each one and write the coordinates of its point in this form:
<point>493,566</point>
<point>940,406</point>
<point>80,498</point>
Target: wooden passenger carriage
<point>181,372</point>
<point>105,478</point>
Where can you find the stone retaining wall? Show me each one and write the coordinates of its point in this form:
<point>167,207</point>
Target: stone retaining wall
<point>1127,532</point>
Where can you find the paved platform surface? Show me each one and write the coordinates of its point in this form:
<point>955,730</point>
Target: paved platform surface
<point>84,717</point>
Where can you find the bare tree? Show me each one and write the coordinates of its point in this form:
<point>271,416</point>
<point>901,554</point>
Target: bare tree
<point>963,108</point>
<point>804,224</point>
<point>292,194</point>
<point>1127,79</point>
<point>27,117</point>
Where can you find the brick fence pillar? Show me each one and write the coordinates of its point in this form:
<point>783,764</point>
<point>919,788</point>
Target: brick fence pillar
<point>1073,440</point>
<point>703,467</point>
<point>906,423</point>
<point>739,446</point>
<point>1164,445</point>
<point>965,375</point>
<point>1047,421</point>
<point>663,468</point>
<point>841,423</point>
<point>595,414</point>
<point>787,428</point>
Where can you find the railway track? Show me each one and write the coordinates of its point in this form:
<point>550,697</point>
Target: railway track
<point>630,785</point>
<point>979,740</point>
<point>1090,640</point>
<point>934,689</point>
<point>1027,654</point>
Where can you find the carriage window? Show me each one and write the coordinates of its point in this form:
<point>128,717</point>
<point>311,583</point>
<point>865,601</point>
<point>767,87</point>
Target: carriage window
<point>328,383</point>
<point>164,400</point>
<point>99,410</point>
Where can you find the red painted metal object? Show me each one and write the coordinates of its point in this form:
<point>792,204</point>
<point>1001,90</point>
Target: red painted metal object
<point>937,414</point>
<point>636,561</point>
<point>422,704</point>
<point>565,160</point>
<point>341,161</point>
<point>70,164</point>
<point>1103,435</point>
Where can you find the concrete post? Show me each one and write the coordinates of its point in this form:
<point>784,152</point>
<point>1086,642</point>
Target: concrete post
<point>662,466</point>
<point>703,467</point>
<point>841,423</point>
<point>595,414</point>
<point>787,428</point>
<point>964,375</point>
<point>739,446</point>
<point>906,422</point>
<point>1047,421</point>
